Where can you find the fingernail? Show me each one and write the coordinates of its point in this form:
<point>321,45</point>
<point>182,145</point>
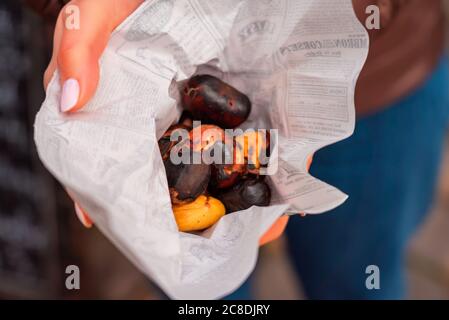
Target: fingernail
<point>70,94</point>
<point>85,220</point>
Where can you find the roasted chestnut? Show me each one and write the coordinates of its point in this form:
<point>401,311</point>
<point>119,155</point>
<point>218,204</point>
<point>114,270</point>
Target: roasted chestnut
<point>211,100</point>
<point>186,181</point>
<point>217,149</point>
<point>205,136</point>
<point>165,143</point>
<point>252,147</point>
<point>226,175</point>
<point>186,120</point>
<point>247,193</point>
<point>219,164</point>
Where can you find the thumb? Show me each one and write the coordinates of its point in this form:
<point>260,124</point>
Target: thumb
<point>86,28</point>
<point>85,32</point>
<point>83,216</point>
<point>275,231</point>
<point>79,75</point>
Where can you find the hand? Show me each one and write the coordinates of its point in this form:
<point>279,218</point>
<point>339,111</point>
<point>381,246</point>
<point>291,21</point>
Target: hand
<point>76,53</point>
<point>279,226</point>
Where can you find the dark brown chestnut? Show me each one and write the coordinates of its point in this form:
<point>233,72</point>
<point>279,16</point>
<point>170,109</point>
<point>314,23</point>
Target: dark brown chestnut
<point>217,149</point>
<point>186,120</point>
<point>211,100</point>
<point>186,181</point>
<point>250,148</point>
<point>226,175</point>
<point>165,143</point>
<point>205,136</point>
<point>247,193</point>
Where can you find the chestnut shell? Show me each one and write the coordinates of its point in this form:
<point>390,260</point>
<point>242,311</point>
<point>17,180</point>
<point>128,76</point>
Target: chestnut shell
<point>186,181</point>
<point>226,175</point>
<point>211,100</point>
<point>247,193</point>
<point>165,145</point>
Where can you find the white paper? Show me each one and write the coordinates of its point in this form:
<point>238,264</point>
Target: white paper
<point>298,61</point>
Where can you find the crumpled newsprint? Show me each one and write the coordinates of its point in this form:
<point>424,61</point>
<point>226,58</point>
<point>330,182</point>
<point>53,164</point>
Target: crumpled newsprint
<point>297,60</point>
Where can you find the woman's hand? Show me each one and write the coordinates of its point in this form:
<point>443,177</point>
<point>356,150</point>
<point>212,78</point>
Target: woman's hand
<point>77,49</point>
<point>277,229</point>
<point>76,52</point>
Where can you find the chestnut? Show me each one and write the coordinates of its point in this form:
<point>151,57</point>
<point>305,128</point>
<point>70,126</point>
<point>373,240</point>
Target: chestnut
<point>251,147</point>
<point>186,181</point>
<point>205,136</point>
<point>165,143</point>
<point>186,120</point>
<point>220,153</point>
<point>226,175</point>
<point>247,193</point>
<point>209,99</point>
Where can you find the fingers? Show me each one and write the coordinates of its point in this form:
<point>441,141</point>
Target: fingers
<point>83,216</point>
<point>275,231</point>
<point>80,49</point>
<point>76,52</point>
<point>80,213</point>
<point>279,226</point>
<point>309,162</point>
<point>82,33</point>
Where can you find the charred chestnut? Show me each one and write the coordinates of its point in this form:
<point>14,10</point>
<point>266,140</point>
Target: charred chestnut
<point>252,147</point>
<point>205,136</point>
<point>217,149</point>
<point>211,100</point>
<point>165,142</point>
<point>247,193</point>
<point>186,120</point>
<point>226,175</point>
<point>186,181</point>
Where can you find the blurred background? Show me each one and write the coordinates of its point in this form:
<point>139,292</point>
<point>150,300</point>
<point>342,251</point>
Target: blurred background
<point>40,234</point>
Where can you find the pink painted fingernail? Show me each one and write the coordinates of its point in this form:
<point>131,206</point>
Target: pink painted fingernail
<point>70,94</point>
<point>85,220</point>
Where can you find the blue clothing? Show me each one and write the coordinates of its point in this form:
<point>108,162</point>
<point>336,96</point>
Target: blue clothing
<point>388,167</point>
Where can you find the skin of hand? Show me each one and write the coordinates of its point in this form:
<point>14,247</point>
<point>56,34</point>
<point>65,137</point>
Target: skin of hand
<point>277,229</point>
<point>76,53</point>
